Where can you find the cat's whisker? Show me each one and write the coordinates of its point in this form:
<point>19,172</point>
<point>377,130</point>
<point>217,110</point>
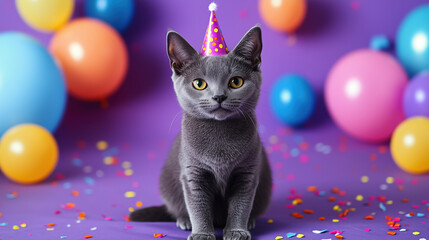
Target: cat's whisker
<point>174,119</point>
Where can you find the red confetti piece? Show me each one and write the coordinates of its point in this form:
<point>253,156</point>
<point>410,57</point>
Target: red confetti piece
<point>322,219</point>
<point>307,211</point>
<point>159,235</point>
<point>87,236</point>
<point>391,233</point>
<point>50,225</point>
<point>369,217</point>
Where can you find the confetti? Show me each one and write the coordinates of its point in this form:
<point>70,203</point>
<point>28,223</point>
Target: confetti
<point>359,198</point>
<point>391,233</point>
<point>416,233</point>
<point>87,236</point>
<point>300,236</point>
<point>15,227</point>
<point>279,237</point>
<point>382,207</point>
<point>102,145</point>
<point>270,221</point>
<point>159,235</point>
<point>290,235</point>
<point>369,217</point>
<point>320,231</point>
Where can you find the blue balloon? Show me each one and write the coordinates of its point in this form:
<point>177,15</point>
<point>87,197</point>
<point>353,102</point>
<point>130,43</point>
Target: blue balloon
<point>412,41</point>
<point>32,87</point>
<point>117,13</point>
<point>293,100</point>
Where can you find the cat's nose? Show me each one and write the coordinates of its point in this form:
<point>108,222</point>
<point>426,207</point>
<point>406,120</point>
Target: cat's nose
<point>219,98</point>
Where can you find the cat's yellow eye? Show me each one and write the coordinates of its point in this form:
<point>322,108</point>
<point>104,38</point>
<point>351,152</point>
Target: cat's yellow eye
<point>199,84</point>
<point>236,82</point>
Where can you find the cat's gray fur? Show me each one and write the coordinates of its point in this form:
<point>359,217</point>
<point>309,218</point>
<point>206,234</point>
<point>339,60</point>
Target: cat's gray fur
<point>217,172</point>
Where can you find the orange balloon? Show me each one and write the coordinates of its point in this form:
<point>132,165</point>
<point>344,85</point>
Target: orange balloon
<point>93,56</point>
<point>28,153</point>
<point>283,15</point>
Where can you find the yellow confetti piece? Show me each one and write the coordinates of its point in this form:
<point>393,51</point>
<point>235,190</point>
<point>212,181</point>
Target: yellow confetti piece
<point>335,220</point>
<point>128,172</point>
<point>364,179</point>
<point>416,233</point>
<point>359,198</point>
<point>139,204</point>
<point>390,180</point>
<point>108,160</point>
<point>390,202</point>
<point>131,209</point>
<point>130,194</point>
<point>23,225</point>
<point>297,201</point>
<point>337,208</point>
<point>126,165</point>
<point>270,221</point>
<point>102,145</point>
<point>300,236</point>
<point>15,227</point>
<point>50,229</point>
<point>279,237</point>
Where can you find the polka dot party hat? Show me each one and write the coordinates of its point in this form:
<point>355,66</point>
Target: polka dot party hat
<point>214,44</point>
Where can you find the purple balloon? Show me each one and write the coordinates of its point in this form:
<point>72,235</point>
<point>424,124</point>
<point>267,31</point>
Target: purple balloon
<point>416,96</point>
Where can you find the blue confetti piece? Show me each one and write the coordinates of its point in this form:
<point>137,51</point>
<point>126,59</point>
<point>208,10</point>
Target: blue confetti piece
<point>420,214</point>
<point>321,194</point>
<point>380,43</point>
<point>382,207</point>
<point>111,152</point>
<point>3,224</point>
<point>290,235</point>
<point>89,181</point>
<point>88,191</point>
<point>67,185</point>
<point>76,162</point>
<point>62,237</point>
<point>10,196</point>
<point>294,152</point>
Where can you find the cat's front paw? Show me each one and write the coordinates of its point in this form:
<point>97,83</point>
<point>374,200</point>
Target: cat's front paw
<point>184,223</point>
<point>202,236</point>
<point>237,235</point>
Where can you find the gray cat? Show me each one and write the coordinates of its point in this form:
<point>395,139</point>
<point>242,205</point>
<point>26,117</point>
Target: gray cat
<point>217,172</point>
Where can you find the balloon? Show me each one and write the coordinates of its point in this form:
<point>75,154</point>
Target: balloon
<point>292,100</point>
<point>416,96</point>
<point>117,13</point>
<point>32,88</point>
<point>409,145</point>
<point>363,94</point>
<point>94,58</point>
<point>45,15</point>
<point>28,153</point>
<point>283,15</point>
<point>412,41</point>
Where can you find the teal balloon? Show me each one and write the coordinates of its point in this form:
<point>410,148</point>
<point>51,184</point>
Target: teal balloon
<point>412,41</point>
<point>117,13</point>
<point>32,87</point>
<point>292,100</point>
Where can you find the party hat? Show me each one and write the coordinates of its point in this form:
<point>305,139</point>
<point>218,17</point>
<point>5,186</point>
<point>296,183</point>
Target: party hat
<point>214,44</point>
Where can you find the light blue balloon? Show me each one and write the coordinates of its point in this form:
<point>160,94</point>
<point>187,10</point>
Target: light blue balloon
<point>293,100</point>
<point>412,41</point>
<point>117,13</point>
<point>32,88</point>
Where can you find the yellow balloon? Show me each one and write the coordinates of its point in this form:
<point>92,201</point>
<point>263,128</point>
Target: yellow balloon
<point>410,145</point>
<point>45,15</point>
<point>28,153</point>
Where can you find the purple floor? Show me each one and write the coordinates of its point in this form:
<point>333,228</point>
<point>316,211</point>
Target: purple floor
<point>111,155</point>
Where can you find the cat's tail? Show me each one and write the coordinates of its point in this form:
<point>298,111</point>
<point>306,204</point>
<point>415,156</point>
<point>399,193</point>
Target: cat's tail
<point>152,214</point>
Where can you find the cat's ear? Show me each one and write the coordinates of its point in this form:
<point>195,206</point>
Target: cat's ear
<point>179,51</point>
<point>250,47</point>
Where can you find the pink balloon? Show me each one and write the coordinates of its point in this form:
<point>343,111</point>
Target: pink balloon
<point>364,92</point>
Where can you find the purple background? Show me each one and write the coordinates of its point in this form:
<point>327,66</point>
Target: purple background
<point>138,125</point>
